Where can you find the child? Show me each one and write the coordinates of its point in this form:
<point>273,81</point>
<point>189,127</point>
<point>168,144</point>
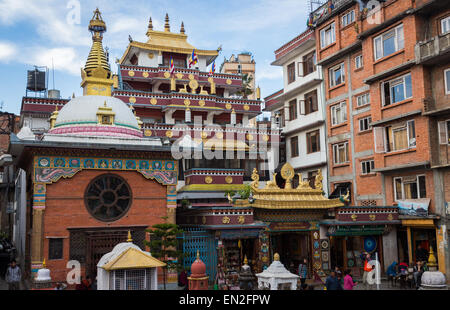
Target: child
<point>348,280</point>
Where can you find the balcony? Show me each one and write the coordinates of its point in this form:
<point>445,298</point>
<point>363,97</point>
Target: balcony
<point>193,101</point>
<point>433,51</point>
<point>181,74</point>
<point>249,135</point>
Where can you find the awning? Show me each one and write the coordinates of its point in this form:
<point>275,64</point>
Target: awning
<point>132,258</point>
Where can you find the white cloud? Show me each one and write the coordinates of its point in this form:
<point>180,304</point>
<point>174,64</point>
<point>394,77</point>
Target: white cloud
<point>7,50</point>
<point>64,59</point>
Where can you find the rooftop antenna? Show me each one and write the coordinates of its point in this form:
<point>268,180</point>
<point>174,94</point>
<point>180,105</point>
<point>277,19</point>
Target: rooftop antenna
<point>53,74</point>
<point>315,4</point>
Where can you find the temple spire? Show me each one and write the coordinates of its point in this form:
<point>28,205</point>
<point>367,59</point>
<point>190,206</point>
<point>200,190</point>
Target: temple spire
<point>166,24</point>
<point>96,75</point>
<point>150,24</point>
<point>182,28</point>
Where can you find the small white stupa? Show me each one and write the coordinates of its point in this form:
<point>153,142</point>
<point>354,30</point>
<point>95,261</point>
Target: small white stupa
<point>42,279</point>
<point>127,267</point>
<point>277,276</point>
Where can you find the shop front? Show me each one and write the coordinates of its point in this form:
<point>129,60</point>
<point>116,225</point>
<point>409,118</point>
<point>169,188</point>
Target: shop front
<point>292,217</point>
<point>356,230</point>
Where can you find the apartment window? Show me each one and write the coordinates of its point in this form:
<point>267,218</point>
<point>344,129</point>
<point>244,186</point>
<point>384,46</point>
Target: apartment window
<point>327,35</point>
<point>294,146</point>
<point>444,130</point>
<point>340,153</point>
<point>348,18</point>
<point>362,100</point>
<point>311,102</point>
<point>389,42</point>
<point>312,178</point>
<point>337,75</point>
<point>339,113</point>
<point>358,61</point>
<point>293,109</point>
<point>447,81</point>
<point>367,166</point>
<point>291,72</point>
<point>400,137</point>
<point>411,187</point>
<point>309,63</point>
<point>396,90</point>
<point>445,25</point>
<point>313,141</point>
<point>55,248</point>
<point>364,123</point>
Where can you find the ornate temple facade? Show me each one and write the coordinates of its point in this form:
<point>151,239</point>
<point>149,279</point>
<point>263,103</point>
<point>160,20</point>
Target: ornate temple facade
<point>93,176</point>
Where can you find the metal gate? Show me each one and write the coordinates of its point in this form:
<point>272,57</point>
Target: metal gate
<point>202,240</point>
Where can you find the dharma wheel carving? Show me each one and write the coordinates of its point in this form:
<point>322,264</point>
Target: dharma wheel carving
<point>108,197</point>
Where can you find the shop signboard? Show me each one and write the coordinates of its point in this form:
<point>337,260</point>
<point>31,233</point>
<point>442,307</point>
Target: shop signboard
<point>293,226</point>
<point>414,207</point>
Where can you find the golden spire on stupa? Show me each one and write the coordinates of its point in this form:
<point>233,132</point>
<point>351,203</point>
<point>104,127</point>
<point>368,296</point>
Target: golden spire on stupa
<point>166,24</point>
<point>96,75</point>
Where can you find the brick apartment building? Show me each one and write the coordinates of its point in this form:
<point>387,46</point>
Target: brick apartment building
<point>387,86</point>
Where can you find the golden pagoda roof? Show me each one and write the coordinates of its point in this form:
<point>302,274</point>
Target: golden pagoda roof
<point>133,258</point>
<point>166,41</point>
<point>302,197</point>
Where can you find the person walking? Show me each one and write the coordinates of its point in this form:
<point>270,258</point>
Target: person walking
<point>332,283</point>
<point>13,276</point>
<point>303,272</point>
<point>367,269</point>
<point>348,280</point>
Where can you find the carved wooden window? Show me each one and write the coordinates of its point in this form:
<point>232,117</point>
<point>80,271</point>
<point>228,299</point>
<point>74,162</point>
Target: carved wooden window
<point>108,197</point>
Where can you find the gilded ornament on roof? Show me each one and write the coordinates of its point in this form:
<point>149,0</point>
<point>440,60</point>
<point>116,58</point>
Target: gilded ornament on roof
<point>153,101</point>
<point>228,106</point>
<point>132,100</point>
<point>241,219</point>
<point>147,132</point>
<point>228,82</point>
<point>255,179</point>
<point>193,84</point>
<point>272,184</point>
<point>187,102</point>
<point>204,135</point>
<point>354,217</point>
<point>246,107</point>
<point>145,74</point>
<point>372,217</point>
<point>229,179</point>
<point>166,75</point>
<point>191,77</point>
<point>208,179</point>
<point>265,138</point>
<point>169,133</point>
<point>390,217</point>
<point>318,180</point>
<point>179,76</point>
<point>201,103</point>
<point>131,73</point>
<point>287,172</point>
<point>301,183</point>
<point>225,220</point>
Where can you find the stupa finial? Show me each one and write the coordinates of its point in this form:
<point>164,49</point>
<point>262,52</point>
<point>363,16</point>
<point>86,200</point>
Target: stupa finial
<point>129,237</point>
<point>166,24</point>
<point>276,257</point>
<point>182,28</point>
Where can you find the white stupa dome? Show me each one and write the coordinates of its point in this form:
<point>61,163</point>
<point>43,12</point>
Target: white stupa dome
<point>79,117</point>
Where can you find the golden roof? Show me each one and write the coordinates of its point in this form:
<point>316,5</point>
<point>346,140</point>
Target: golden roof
<point>301,197</point>
<point>224,144</point>
<point>166,41</point>
<point>133,258</point>
<point>211,187</point>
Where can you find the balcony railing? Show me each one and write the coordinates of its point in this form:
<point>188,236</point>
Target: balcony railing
<point>430,51</point>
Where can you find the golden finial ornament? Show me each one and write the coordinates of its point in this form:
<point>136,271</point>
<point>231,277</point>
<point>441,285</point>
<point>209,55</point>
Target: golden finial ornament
<point>182,28</point>
<point>198,254</point>
<point>166,24</point>
<point>150,24</point>
<point>432,261</point>
<point>318,180</point>
<point>43,264</point>
<point>129,237</point>
<point>255,179</point>
<point>245,260</point>
<point>276,257</point>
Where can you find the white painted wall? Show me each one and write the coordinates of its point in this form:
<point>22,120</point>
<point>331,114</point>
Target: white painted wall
<point>145,61</point>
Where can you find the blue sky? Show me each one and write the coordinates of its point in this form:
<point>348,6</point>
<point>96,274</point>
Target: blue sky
<point>32,32</point>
